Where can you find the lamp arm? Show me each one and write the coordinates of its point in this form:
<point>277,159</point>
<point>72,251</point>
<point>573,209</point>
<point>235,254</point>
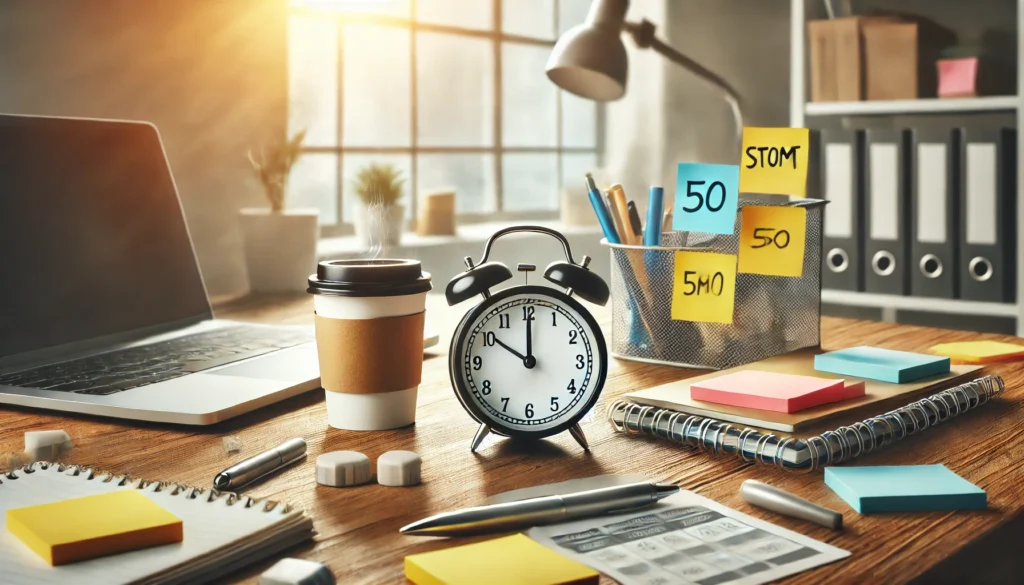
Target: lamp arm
<point>643,33</point>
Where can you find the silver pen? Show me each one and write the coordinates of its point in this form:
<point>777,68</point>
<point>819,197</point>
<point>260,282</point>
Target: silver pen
<point>267,462</point>
<point>787,504</point>
<point>539,511</point>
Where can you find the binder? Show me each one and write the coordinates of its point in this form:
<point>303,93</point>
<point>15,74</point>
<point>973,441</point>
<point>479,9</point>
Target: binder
<point>886,209</point>
<point>934,187</point>
<point>988,231</point>
<point>842,181</point>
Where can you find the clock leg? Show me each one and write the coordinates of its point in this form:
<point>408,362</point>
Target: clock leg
<point>577,433</point>
<point>479,437</point>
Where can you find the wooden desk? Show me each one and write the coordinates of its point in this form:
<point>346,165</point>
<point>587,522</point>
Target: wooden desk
<point>358,527</point>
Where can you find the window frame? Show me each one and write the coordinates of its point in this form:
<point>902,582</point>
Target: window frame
<point>497,149</point>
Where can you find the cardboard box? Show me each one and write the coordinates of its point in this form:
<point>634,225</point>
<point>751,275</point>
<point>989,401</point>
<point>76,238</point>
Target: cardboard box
<point>900,57</point>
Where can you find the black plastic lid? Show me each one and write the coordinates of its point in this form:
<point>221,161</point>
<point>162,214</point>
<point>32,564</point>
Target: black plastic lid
<point>369,278</point>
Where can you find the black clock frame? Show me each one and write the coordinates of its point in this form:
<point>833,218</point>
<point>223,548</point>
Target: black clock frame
<point>462,332</point>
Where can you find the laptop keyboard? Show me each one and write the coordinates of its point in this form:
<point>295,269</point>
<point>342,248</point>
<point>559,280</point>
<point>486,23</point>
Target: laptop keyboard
<point>124,369</point>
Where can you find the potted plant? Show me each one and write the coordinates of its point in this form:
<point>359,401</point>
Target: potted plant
<point>280,243</point>
<point>380,217</point>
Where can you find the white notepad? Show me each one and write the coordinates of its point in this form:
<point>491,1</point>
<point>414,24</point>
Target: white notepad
<point>222,533</point>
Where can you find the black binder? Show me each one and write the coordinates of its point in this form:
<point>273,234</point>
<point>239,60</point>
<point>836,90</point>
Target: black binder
<point>886,212</point>
<point>934,188</point>
<point>842,184</point>
<point>988,230</point>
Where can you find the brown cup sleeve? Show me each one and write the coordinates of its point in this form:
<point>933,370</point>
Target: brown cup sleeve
<point>370,356</point>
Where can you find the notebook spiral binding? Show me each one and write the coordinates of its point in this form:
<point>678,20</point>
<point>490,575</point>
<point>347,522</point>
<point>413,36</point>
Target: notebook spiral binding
<point>193,493</point>
<point>792,454</point>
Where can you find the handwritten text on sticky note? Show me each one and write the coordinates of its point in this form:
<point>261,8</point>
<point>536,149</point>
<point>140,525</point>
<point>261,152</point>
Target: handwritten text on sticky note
<point>775,161</point>
<point>706,198</point>
<point>704,287</point>
<point>772,240</point>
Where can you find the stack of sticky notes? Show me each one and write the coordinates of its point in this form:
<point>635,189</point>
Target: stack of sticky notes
<point>512,560</point>
<point>94,526</point>
<point>773,391</point>
<point>979,352</point>
<point>884,365</point>
<point>904,488</point>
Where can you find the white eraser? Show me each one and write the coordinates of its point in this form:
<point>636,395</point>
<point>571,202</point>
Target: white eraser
<point>342,468</point>
<point>398,468</point>
<point>46,445</point>
<point>297,572</point>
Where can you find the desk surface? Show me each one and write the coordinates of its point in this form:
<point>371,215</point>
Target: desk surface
<point>358,527</point>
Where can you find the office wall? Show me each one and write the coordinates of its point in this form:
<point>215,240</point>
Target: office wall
<point>211,74</point>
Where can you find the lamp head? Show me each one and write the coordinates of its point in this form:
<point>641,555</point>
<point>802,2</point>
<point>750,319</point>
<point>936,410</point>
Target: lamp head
<point>589,60</point>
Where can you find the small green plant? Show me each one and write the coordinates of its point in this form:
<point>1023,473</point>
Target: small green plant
<point>379,184</point>
<point>273,168</point>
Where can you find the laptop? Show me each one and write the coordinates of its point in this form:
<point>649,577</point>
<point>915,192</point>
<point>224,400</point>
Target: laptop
<point>103,310</point>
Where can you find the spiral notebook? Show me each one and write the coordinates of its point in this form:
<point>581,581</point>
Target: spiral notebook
<point>223,532</point>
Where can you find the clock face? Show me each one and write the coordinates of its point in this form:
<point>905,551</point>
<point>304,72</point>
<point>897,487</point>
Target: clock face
<point>528,360</point>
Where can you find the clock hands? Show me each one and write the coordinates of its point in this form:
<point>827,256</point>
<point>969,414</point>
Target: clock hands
<point>514,352</point>
<point>529,361</point>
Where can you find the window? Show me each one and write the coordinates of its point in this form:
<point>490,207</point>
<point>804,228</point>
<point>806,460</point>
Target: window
<point>451,92</point>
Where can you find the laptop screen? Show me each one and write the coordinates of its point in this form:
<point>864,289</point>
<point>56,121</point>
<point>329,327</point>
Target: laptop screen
<point>92,237</point>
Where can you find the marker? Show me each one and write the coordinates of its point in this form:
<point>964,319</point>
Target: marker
<point>782,502</point>
<point>655,203</point>
<point>603,216</point>
<point>634,219</point>
<point>267,462</point>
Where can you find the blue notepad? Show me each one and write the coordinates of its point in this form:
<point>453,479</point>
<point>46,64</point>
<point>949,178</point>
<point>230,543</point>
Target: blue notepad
<point>904,488</point>
<point>885,365</point>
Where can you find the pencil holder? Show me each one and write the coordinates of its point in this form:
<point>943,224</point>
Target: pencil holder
<point>771,315</point>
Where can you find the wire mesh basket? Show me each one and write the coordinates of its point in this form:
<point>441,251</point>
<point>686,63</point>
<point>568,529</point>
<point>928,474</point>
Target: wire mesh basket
<point>772,314</point>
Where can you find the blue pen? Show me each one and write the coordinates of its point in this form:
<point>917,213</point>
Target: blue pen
<point>655,203</point>
<point>603,216</point>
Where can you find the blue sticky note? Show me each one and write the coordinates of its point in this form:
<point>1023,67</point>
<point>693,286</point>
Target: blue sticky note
<point>884,365</point>
<point>904,488</point>
<point>706,198</point>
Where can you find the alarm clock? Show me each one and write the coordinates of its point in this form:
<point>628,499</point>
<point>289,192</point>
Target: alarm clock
<point>528,361</point>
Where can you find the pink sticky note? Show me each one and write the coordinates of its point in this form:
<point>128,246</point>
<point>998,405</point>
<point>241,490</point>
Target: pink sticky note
<point>773,391</point>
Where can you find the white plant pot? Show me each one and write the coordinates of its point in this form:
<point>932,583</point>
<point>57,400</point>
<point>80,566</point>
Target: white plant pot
<point>280,248</point>
<point>379,227</point>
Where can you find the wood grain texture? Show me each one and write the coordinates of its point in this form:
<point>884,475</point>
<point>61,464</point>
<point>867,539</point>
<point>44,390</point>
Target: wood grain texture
<point>358,527</point>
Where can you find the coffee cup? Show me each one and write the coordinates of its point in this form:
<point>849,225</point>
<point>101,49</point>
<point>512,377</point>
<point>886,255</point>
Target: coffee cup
<point>369,337</point>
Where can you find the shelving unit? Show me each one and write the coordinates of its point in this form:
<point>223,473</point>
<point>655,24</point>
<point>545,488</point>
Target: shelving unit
<point>800,109</point>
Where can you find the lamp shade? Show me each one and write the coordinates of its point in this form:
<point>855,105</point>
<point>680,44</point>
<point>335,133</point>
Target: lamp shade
<point>590,61</point>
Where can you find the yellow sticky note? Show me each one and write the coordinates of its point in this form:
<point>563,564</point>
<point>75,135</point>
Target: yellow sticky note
<point>704,287</point>
<point>94,526</point>
<point>511,560</point>
<point>775,161</point>
<point>979,352</point>
<point>772,240</point>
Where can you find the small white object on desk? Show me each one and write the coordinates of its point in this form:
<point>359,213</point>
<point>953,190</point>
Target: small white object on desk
<point>46,445</point>
<point>399,468</point>
<point>297,572</point>
<point>342,468</point>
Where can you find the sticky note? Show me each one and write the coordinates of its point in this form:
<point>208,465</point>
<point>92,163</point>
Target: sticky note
<point>512,560</point>
<point>884,365</point>
<point>94,526</point>
<point>904,488</point>
<point>979,352</point>
<point>706,198</point>
<point>774,161</point>
<point>773,391</point>
<point>704,287</point>
<point>772,240</point>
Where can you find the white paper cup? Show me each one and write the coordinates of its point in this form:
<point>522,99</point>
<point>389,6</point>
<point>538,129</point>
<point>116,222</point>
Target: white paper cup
<point>369,318</point>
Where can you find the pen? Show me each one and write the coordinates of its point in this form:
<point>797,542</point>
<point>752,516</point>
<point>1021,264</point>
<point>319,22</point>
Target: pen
<point>267,462</point>
<point>655,203</point>
<point>603,217</point>
<point>539,511</point>
<point>617,196</point>
<point>634,219</point>
<point>782,502</point>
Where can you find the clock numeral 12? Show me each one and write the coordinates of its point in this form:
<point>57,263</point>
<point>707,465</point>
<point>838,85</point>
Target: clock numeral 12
<point>528,313</point>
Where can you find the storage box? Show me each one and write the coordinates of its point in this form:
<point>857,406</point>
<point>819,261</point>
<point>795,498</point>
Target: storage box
<point>835,57</point>
<point>437,214</point>
<point>900,58</point>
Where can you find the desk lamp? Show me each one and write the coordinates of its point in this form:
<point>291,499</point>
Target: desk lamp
<point>590,61</point>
